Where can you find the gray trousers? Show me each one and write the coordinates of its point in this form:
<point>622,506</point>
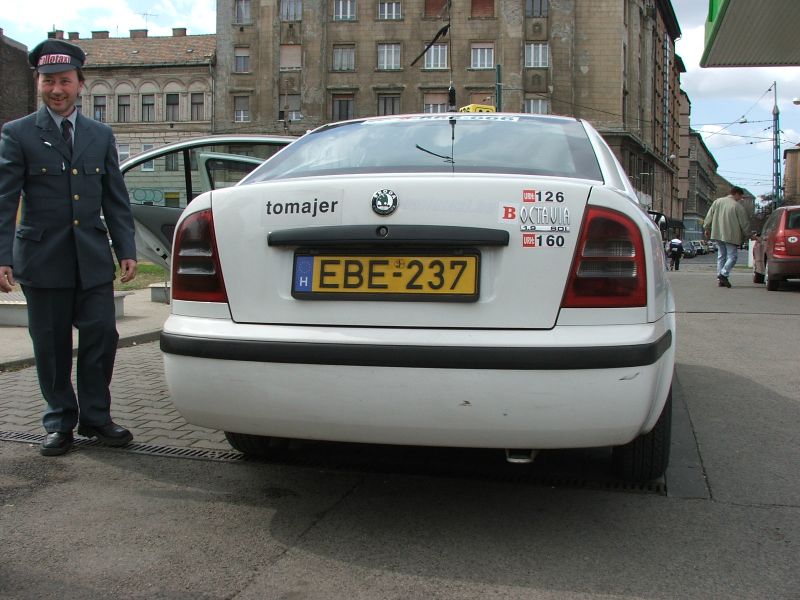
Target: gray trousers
<point>52,312</point>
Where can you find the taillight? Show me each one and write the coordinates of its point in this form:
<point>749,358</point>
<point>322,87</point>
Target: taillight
<point>779,247</point>
<point>196,272</point>
<point>608,270</point>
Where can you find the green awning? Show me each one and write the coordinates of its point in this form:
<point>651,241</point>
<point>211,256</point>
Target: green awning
<point>749,33</point>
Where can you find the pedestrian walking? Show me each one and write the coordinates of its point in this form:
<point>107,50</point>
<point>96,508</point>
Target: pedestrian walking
<point>65,167</point>
<point>675,254</point>
<point>727,224</point>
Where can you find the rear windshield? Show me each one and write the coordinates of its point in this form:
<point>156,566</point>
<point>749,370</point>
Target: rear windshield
<point>450,143</point>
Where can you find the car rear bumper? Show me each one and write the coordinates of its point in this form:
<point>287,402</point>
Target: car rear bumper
<point>522,390</point>
<point>784,267</point>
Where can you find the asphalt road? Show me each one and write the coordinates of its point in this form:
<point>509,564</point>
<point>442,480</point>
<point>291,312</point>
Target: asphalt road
<point>365,523</point>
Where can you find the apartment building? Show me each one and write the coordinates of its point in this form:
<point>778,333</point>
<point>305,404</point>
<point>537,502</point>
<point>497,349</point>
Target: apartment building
<point>150,90</point>
<point>17,94</point>
<point>285,66</point>
<point>702,189</point>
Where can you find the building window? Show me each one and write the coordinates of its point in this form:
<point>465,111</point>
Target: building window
<point>79,104</point>
<point>482,8</point>
<point>482,98</point>
<point>291,10</point>
<point>172,107</point>
<point>241,109</point>
<point>198,108</point>
<point>344,58</point>
<point>435,9</point>
<point>344,10</point>
<point>537,54</point>
<point>482,55</point>
<point>290,108</point>
<point>100,109</point>
<point>242,8</point>
<point>148,108</point>
<point>537,8</point>
<point>436,57</point>
<point>241,60</point>
<point>148,165</point>
<point>123,151</point>
<point>123,109</point>
<point>388,104</point>
<point>171,162</point>
<point>291,57</point>
<point>389,10</point>
<point>434,103</point>
<point>388,57</point>
<point>343,107</point>
<point>537,106</point>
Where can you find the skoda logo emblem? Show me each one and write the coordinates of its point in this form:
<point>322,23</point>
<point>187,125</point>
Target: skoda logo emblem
<point>384,202</point>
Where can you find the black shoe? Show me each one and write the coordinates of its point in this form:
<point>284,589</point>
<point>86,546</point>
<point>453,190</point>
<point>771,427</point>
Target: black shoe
<point>110,435</point>
<point>56,443</point>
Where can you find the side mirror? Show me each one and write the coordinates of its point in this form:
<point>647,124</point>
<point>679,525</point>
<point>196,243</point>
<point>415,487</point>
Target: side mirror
<point>659,219</point>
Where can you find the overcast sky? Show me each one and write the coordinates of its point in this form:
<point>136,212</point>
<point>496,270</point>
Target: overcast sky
<point>720,97</point>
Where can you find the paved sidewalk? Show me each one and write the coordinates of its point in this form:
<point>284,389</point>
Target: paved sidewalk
<point>140,399</point>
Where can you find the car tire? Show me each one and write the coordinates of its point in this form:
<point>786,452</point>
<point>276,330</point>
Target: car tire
<point>772,283</point>
<point>258,446</point>
<point>647,456</point>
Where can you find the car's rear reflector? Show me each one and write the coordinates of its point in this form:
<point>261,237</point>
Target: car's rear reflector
<point>196,272</point>
<point>608,270</point>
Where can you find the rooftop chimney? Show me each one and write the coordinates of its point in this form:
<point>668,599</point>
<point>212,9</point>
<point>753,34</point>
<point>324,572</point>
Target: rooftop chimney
<point>74,35</point>
<point>178,31</point>
<point>57,34</point>
<point>99,35</point>
<point>138,33</point>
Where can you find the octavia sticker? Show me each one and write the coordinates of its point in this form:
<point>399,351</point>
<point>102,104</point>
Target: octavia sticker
<point>384,202</point>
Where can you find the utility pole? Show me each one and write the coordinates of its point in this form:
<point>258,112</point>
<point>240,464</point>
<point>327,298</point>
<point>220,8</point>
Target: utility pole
<point>498,88</point>
<point>776,149</point>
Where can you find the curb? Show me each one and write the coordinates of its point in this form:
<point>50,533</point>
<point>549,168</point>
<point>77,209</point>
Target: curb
<point>132,340</point>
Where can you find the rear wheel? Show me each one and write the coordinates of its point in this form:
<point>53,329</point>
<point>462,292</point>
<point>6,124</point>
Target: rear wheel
<point>772,283</point>
<point>256,445</point>
<point>647,456</point>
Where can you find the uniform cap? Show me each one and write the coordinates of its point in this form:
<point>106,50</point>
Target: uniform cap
<point>54,56</point>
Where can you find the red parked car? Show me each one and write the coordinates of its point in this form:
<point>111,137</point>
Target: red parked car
<point>780,244</point>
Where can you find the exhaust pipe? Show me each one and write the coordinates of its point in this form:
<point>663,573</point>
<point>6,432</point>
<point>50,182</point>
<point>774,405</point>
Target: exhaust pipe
<point>520,456</point>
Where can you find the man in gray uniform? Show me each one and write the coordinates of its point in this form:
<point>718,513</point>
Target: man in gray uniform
<point>65,166</point>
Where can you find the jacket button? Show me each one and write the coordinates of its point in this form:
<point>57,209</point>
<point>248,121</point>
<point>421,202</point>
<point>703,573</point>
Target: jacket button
<point>74,171</point>
<point>76,197</point>
<point>76,222</point>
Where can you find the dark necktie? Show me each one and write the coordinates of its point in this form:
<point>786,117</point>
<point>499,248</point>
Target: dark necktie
<point>66,131</point>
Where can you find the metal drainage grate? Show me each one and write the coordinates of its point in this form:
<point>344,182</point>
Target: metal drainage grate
<point>149,449</point>
<point>547,477</point>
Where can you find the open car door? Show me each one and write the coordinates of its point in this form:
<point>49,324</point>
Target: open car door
<point>163,181</point>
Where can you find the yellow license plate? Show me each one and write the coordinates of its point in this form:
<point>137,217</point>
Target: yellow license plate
<point>409,276</point>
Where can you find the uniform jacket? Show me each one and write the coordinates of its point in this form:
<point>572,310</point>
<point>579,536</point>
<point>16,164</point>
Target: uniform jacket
<point>60,235</point>
<point>727,219</point>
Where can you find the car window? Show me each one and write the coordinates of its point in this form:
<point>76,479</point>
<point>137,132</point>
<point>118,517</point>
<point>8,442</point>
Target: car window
<point>793,219</point>
<point>460,143</point>
<point>172,179</point>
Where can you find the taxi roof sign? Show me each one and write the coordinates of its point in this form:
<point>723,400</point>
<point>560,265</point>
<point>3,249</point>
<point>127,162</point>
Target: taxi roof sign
<point>477,108</point>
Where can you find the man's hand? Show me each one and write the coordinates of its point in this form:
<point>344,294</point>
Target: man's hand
<point>127,270</point>
<point>6,278</point>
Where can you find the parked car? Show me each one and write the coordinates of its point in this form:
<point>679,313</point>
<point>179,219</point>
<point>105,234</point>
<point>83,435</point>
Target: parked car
<point>711,246</point>
<point>689,250</point>
<point>699,246</point>
<point>780,245</point>
<point>460,280</point>
<point>161,182</point>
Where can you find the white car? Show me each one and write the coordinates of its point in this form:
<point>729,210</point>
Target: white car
<point>465,280</point>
